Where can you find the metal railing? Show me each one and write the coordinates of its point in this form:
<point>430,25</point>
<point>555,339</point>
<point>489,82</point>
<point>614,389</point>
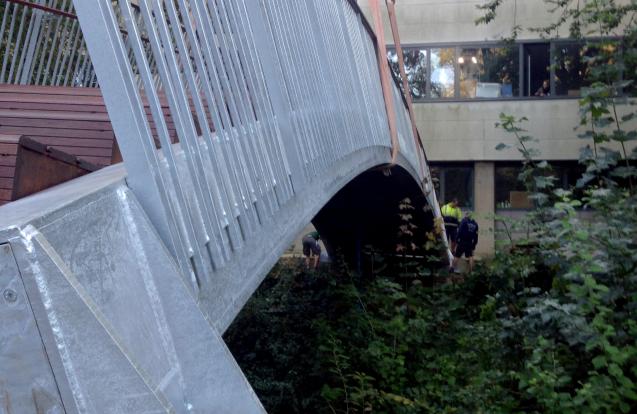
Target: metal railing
<point>41,44</point>
<point>265,95</point>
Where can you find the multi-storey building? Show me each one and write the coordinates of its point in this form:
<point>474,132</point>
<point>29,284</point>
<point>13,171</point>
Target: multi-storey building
<point>464,75</point>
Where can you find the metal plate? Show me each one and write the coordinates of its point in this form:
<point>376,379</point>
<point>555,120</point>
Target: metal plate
<point>27,384</point>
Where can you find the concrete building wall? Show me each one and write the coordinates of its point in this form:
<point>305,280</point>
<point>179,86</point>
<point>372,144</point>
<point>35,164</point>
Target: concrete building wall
<point>484,206</point>
<point>440,21</point>
<point>448,21</point>
<point>466,131</point>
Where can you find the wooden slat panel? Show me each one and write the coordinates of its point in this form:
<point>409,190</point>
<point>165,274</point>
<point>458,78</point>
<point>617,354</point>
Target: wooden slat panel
<point>9,139</point>
<point>69,103</point>
<point>88,134</point>
<point>6,183</point>
<point>51,99</point>
<point>79,151</point>
<point>62,91</point>
<point>8,149</point>
<point>34,121</point>
<point>73,142</point>
<point>6,172</point>
<point>97,160</point>
<point>37,171</point>
<point>57,90</point>
<point>5,195</point>
<point>52,107</point>
<point>72,116</point>
<point>7,160</point>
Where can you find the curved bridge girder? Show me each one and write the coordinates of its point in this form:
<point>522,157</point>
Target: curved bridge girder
<point>132,276</point>
<point>116,318</point>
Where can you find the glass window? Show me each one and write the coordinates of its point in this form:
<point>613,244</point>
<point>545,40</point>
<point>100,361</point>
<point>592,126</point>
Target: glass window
<point>509,191</point>
<point>510,70</point>
<point>576,64</point>
<point>488,72</point>
<point>571,69</point>
<point>630,64</point>
<point>454,181</point>
<point>443,73</point>
<point>537,61</point>
<point>567,173</point>
<point>415,61</point>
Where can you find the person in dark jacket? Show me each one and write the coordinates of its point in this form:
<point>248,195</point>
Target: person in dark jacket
<point>312,249</point>
<point>466,241</point>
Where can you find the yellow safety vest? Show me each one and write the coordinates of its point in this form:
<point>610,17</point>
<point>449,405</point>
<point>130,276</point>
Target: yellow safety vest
<point>450,211</point>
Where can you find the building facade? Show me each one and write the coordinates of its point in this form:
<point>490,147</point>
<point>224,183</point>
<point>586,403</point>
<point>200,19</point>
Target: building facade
<point>463,76</point>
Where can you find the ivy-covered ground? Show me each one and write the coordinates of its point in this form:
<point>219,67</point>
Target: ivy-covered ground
<point>332,342</point>
<point>549,326</point>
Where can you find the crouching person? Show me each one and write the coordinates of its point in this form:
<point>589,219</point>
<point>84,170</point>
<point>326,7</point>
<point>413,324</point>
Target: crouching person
<point>312,249</point>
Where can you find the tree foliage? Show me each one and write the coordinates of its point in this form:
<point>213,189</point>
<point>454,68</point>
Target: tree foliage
<point>548,325</point>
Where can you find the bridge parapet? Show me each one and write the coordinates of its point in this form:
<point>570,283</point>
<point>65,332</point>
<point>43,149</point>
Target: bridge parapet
<point>280,90</point>
<point>133,274</point>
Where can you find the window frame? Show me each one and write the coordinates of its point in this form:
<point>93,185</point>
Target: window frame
<point>561,165</point>
<point>440,187</point>
<point>458,46</point>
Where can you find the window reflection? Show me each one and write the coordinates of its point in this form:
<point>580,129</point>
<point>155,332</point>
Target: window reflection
<point>533,69</point>
<point>510,192</point>
<point>442,73</point>
<point>570,69</point>
<point>415,61</point>
<point>488,72</point>
<point>454,181</point>
<point>575,64</point>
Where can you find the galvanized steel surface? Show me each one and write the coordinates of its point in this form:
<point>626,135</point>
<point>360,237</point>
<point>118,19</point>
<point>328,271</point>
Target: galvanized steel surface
<point>122,332</point>
<point>277,105</point>
<point>265,96</point>
<point>26,380</point>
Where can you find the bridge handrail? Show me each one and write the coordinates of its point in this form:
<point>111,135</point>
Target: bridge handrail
<point>41,44</point>
<point>264,95</point>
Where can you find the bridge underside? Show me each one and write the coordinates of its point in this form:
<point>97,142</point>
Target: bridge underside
<point>106,322</point>
<point>365,215</point>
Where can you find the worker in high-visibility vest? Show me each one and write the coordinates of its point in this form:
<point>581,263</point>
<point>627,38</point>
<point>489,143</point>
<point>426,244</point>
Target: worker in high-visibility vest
<point>452,215</point>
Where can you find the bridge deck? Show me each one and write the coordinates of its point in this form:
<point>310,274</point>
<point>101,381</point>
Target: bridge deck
<point>71,120</point>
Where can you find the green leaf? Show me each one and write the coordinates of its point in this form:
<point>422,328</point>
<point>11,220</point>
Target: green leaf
<point>599,361</point>
<point>543,182</point>
<point>501,146</point>
<point>615,371</point>
<point>624,172</point>
<point>581,234</point>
